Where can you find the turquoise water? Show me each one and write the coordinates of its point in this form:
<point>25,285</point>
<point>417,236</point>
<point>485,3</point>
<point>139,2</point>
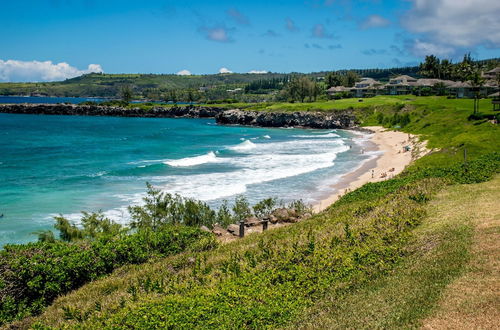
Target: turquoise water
<point>66,164</point>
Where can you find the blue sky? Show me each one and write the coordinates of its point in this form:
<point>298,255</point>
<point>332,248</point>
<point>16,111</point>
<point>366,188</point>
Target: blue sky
<point>204,36</point>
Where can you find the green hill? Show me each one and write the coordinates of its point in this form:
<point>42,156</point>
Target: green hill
<point>109,85</point>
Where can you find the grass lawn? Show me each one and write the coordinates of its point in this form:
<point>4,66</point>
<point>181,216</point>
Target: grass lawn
<point>453,265</point>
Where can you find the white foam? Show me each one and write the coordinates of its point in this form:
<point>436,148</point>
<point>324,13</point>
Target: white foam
<point>98,174</point>
<point>192,161</point>
<point>266,137</point>
<point>243,146</point>
<point>318,136</point>
<point>269,162</point>
<point>254,163</point>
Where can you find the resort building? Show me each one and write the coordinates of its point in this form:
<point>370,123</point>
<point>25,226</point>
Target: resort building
<point>492,74</point>
<point>404,84</point>
<point>401,85</point>
<point>367,87</point>
<point>337,89</point>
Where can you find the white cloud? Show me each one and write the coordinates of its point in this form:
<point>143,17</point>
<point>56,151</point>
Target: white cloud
<point>423,48</point>
<point>184,73</point>
<point>374,21</point>
<point>225,70</point>
<point>452,24</point>
<point>18,71</point>
<point>216,33</point>
<point>257,72</point>
<point>319,31</point>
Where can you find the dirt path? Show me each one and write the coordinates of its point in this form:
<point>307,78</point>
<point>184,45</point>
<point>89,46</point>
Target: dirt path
<point>472,301</point>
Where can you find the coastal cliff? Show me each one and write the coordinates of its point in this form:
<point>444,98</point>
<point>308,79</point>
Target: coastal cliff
<point>327,120</point>
<point>337,119</point>
<point>97,110</point>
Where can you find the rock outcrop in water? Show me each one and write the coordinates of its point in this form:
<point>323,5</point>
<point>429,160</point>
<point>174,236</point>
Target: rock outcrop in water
<point>97,110</point>
<point>336,119</point>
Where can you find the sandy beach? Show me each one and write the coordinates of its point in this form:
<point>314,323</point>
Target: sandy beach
<point>392,161</point>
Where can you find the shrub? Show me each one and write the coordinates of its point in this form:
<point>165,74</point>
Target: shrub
<point>33,275</point>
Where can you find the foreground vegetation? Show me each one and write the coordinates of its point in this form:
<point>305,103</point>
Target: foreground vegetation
<point>273,278</point>
<point>379,257</point>
<point>34,274</point>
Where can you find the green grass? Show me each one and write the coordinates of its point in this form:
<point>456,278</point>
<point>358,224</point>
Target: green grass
<point>330,105</point>
<point>438,254</point>
<point>444,124</point>
<point>263,280</point>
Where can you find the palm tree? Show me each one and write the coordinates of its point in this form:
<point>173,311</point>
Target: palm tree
<point>446,69</point>
<point>431,67</point>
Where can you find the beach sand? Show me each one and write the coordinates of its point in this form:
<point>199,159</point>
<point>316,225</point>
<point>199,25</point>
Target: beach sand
<point>389,163</point>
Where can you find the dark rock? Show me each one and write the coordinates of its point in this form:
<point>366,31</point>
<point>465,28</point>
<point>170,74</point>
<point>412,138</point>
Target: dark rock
<point>333,119</point>
<point>191,111</point>
<point>218,230</point>
<point>233,229</point>
<point>281,214</point>
<point>252,221</point>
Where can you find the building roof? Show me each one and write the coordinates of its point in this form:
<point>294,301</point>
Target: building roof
<point>403,77</point>
<point>338,89</point>
<point>460,84</point>
<point>494,71</point>
<point>367,81</point>
<point>432,82</point>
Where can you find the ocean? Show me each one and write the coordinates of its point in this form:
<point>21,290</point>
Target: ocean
<point>52,165</point>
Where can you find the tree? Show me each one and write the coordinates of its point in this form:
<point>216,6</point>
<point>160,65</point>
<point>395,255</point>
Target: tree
<point>173,96</point>
<point>241,208</point>
<point>465,69</point>
<point>447,69</point>
<point>477,81</point>
<point>431,67</point>
<point>126,94</point>
<point>299,88</point>
<point>94,225</point>
<point>190,96</point>
<point>333,79</point>
<point>440,88</point>
<point>351,78</point>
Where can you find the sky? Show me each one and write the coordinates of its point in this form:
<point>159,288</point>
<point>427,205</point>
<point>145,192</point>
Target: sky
<point>48,40</point>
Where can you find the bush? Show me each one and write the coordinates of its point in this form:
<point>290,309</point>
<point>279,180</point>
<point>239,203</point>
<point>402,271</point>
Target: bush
<point>33,275</point>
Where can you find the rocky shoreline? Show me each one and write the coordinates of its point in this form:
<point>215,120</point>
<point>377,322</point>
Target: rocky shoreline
<point>321,120</point>
<point>337,119</point>
<point>98,110</point>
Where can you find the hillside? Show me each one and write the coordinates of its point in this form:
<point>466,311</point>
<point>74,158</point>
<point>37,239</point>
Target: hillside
<point>108,85</point>
<point>384,255</point>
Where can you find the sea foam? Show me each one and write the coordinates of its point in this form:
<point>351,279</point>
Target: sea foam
<point>244,146</point>
<point>192,161</point>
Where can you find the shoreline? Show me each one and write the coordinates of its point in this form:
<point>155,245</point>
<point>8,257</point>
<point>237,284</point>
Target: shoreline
<point>390,163</point>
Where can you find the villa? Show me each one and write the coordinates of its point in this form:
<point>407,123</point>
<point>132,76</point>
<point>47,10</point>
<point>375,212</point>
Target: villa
<point>404,84</point>
<point>367,87</point>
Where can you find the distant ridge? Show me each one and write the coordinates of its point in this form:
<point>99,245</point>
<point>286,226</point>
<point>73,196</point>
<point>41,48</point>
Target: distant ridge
<point>109,85</point>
